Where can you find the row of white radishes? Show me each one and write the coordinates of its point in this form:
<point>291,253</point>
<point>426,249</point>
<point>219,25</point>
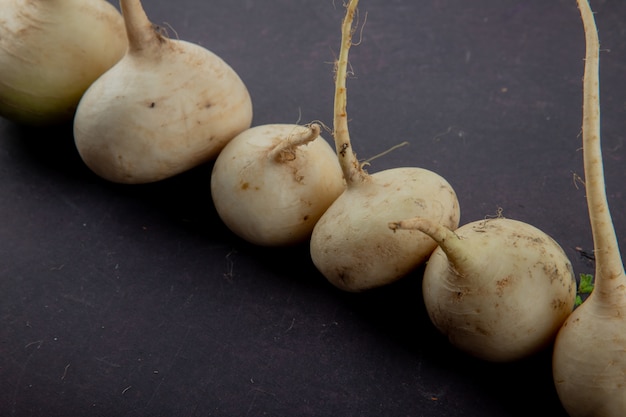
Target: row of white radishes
<point>146,107</point>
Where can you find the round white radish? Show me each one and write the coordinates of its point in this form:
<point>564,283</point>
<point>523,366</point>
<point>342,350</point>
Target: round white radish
<point>271,183</point>
<point>167,106</point>
<point>351,244</point>
<point>589,358</point>
<point>51,52</point>
<point>499,289</point>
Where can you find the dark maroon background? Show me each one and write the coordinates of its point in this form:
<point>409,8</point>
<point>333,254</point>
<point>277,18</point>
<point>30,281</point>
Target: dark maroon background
<point>136,301</point>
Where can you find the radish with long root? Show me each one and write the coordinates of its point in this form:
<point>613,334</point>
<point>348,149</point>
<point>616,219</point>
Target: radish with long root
<point>589,358</point>
<point>271,183</point>
<point>167,106</point>
<point>351,244</point>
<point>498,288</point>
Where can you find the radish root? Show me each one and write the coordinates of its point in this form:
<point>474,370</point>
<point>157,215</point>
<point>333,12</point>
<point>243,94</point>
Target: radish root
<point>352,170</point>
<point>589,357</point>
<point>609,265</point>
<point>285,150</point>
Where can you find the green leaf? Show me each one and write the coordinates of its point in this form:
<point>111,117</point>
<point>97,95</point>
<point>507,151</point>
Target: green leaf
<point>586,284</point>
<point>579,301</point>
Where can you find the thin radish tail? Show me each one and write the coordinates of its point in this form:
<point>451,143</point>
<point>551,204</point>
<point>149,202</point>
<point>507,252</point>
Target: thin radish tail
<point>609,265</point>
<point>350,166</point>
<point>455,249</point>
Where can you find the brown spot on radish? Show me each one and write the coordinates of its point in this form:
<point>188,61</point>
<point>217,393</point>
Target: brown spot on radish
<point>421,203</point>
<point>502,284</point>
<point>345,278</point>
<point>482,331</point>
<point>559,305</point>
<point>245,186</point>
<point>344,149</point>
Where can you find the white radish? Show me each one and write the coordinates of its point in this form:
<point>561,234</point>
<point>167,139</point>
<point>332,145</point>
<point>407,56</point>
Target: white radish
<point>272,183</point>
<point>167,106</point>
<point>499,289</point>
<point>351,244</point>
<point>50,53</point>
<point>589,358</point>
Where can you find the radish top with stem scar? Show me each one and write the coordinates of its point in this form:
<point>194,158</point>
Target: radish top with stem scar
<point>351,244</point>
<point>589,358</point>
<point>499,289</point>
<point>271,183</point>
<point>167,106</point>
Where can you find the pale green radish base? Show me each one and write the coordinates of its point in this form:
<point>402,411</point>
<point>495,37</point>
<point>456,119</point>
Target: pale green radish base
<point>270,202</point>
<point>352,245</point>
<point>589,360</point>
<point>146,120</point>
<point>50,52</point>
<point>512,300</point>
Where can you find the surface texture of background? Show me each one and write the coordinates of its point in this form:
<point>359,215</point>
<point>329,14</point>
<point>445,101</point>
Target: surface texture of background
<point>136,300</point>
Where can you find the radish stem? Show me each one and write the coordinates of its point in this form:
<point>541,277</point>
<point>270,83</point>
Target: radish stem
<point>609,266</point>
<point>350,166</point>
<point>139,29</point>
<point>447,239</point>
<point>285,150</point>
